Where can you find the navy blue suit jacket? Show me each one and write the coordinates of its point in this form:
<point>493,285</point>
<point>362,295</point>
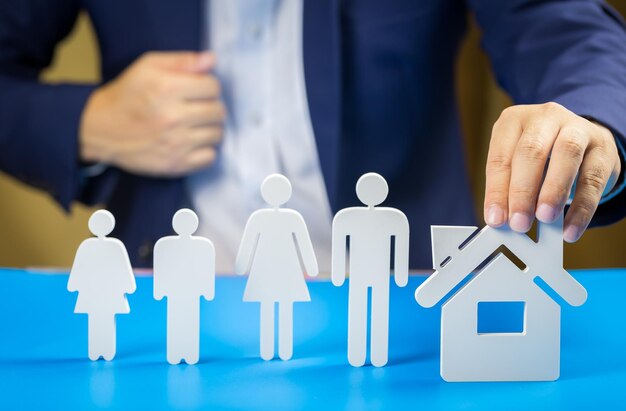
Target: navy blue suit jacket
<point>380,84</point>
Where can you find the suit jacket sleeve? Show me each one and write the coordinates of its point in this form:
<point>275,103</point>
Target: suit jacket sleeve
<point>39,124</point>
<point>572,52</point>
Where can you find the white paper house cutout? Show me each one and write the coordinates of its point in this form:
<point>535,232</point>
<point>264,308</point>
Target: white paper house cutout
<point>530,355</point>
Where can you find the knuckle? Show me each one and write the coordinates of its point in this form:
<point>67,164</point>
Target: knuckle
<point>165,119</point>
<point>554,193</point>
<point>606,136</point>
<point>163,89</point>
<point>507,113</point>
<point>496,194</point>
<point>532,147</point>
<point>186,60</point>
<point>586,207</point>
<point>572,142</point>
<point>551,107</point>
<point>594,178</point>
<point>498,162</point>
<point>173,144</point>
<point>523,193</point>
<point>147,57</point>
<point>497,125</point>
<point>498,130</point>
<point>605,141</point>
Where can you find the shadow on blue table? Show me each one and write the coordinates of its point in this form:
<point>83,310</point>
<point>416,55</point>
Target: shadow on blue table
<point>43,355</point>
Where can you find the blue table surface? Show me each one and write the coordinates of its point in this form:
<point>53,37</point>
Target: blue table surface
<point>44,365</point>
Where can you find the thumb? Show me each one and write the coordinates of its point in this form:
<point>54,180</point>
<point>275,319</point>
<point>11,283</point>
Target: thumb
<point>185,61</point>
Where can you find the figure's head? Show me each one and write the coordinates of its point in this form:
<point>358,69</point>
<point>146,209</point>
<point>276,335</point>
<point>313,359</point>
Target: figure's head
<point>101,223</point>
<point>276,190</point>
<point>372,189</point>
<point>185,222</point>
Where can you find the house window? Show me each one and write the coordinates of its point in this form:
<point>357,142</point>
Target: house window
<point>501,317</point>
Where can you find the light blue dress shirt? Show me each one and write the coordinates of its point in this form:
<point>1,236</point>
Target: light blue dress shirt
<point>258,47</point>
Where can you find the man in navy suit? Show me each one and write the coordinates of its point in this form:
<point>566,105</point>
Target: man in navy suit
<point>369,82</point>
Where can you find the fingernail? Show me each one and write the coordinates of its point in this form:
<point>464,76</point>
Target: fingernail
<point>520,222</point>
<point>546,213</point>
<point>571,233</point>
<point>495,216</point>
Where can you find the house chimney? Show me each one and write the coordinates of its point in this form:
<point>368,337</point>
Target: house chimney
<point>550,239</point>
<point>446,241</point>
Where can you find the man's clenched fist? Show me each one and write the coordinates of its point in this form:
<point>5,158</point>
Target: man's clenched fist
<point>527,139</point>
<point>161,117</point>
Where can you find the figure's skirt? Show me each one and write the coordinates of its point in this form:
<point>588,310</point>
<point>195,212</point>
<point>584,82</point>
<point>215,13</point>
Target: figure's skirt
<point>88,304</point>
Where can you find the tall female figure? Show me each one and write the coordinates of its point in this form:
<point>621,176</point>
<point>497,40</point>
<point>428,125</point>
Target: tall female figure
<point>269,251</point>
<point>102,275</point>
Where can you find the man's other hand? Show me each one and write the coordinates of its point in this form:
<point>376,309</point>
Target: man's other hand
<point>535,155</point>
<point>161,117</point>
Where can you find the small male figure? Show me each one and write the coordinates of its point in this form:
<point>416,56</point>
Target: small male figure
<point>370,232</point>
<point>184,270</point>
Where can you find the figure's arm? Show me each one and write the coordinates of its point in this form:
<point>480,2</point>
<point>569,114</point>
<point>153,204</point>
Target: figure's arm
<point>77,270</point>
<point>572,53</point>
<point>247,247</point>
<point>209,289</point>
<point>401,258</point>
<point>303,242</point>
<point>157,275</point>
<point>132,285</point>
<point>338,266</point>
<point>129,278</point>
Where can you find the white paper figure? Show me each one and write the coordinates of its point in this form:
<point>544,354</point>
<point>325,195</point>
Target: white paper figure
<point>184,270</point>
<point>468,355</point>
<point>102,275</point>
<point>370,231</point>
<point>272,240</point>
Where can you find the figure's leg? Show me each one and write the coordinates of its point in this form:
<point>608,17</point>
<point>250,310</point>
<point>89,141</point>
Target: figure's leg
<point>380,324</point>
<point>173,353</point>
<point>183,330</point>
<point>267,330</point>
<point>285,330</point>
<point>191,336</point>
<point>357,324</point>
<point>93,338</point>
<point>101,336</point>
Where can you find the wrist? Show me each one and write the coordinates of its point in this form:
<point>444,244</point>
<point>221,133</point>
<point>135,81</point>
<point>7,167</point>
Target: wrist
<point>93,146</point>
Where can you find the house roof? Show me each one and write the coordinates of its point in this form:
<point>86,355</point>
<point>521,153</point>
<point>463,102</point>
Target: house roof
<point>543,259</point>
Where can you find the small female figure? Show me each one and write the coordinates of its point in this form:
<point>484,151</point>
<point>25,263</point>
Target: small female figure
<point>102,275</point>
<point>269,251</point>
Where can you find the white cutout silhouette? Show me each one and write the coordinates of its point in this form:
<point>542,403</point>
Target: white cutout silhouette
<point>272,242</point>
<point>102,275</point>
<point>370,231</point>
<point>184,270</point>
<point>530,355</point>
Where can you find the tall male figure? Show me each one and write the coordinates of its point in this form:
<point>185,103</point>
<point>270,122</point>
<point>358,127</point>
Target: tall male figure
<point>370,232</point>
<point>184,270</point>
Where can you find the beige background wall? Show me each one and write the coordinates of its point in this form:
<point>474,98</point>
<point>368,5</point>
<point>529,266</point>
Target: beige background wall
<point>36,232</point>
